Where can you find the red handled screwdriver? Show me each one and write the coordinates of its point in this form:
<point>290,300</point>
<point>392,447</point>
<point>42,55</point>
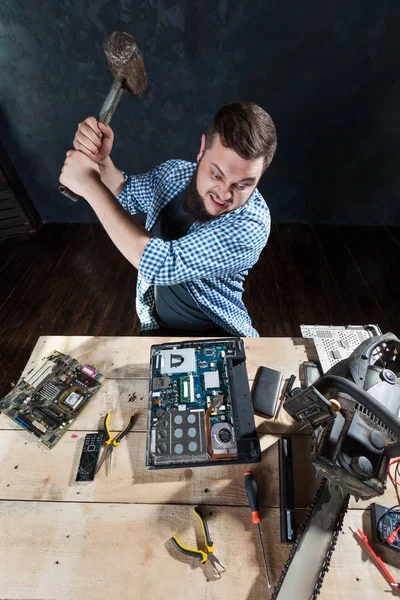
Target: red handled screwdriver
<point>252,495</point>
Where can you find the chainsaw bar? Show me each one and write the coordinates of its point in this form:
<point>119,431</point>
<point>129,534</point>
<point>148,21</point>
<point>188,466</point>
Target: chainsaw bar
<point>310,555</point>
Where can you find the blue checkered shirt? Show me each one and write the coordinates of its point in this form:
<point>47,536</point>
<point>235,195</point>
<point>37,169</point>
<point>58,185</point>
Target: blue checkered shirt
<point>212,259</point>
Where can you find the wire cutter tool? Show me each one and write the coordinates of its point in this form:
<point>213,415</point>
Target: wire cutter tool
<point>200,554</point>
<point>112,442</point>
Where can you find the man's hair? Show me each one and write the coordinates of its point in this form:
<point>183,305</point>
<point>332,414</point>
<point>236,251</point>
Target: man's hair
<point>245,128</point>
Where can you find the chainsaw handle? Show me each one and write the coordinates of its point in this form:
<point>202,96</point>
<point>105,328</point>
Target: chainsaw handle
<point>360,359</point>
<point>359,395</point>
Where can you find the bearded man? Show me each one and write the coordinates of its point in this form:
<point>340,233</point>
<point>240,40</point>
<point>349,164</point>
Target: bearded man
<point>206,222</point>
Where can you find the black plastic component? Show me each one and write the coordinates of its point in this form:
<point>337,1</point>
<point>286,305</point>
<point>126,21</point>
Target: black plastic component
<point>377,439</point>
<point>309,406</point>
<point>51,417</point>
<point>248,444</point>
<point>224,435</point>
<point>383,523</point>
<point>251,491</point>
<point>265,391</point>
<point>89,456</point>
<point>362,466</point>
<point>286,490</point>
<point>289,386</point>
<point>361,358</point>
<point>205,527</point>
<point>337,429</point>
<point>312,372</point>
<point>361,432</point>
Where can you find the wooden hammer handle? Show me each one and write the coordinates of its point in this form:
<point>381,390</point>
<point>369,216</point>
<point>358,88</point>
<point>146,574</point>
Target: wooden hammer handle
<point>68,193</point>
<point>106,112</point>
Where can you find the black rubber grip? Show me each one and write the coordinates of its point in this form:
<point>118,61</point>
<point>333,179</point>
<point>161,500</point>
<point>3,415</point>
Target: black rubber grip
<point>205,527</point>
<point>106,428</point>
<point>252,492</point>
<point>125,431</point>
<point>193,553</point>
<point>289,385</point>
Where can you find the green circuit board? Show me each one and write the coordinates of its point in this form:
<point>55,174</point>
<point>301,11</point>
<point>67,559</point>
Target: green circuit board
<point>46,400</point>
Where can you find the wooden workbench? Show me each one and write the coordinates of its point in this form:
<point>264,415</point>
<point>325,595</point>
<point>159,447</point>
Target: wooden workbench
<point>60,540</point>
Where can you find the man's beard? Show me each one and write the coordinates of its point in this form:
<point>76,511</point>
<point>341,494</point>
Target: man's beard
<point>193,203</point>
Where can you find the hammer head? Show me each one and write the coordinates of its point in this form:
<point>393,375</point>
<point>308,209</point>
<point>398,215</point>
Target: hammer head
<point>125,60</point>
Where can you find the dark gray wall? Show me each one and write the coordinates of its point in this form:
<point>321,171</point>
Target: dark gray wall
<point>328,72</point>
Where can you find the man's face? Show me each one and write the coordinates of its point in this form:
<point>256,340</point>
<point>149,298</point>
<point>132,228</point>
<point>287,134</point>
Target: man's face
<point>225,181</point>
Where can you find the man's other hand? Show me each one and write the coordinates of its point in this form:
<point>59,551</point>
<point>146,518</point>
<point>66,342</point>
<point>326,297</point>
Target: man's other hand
<point>94,139</point>
<point>79,173</point>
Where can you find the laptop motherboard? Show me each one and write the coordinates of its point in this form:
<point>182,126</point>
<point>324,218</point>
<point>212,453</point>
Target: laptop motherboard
<point>47,400</point>
<point>191,414</point>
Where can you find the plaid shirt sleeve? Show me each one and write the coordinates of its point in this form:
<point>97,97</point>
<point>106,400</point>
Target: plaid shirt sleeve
<point>141,190</point>
<point>215,250</point>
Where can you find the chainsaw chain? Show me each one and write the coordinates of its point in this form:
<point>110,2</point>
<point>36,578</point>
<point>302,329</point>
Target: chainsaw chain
<point>332,545</point>
<point>335,534</point>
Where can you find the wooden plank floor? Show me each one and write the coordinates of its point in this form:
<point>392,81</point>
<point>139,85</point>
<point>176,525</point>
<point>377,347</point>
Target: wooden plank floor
<point>71,280</point>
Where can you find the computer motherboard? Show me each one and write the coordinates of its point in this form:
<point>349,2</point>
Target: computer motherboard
<point>47,400</point>
<point>192,417</point>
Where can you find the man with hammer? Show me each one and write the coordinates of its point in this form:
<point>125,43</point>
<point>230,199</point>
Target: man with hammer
<point>206,222</point>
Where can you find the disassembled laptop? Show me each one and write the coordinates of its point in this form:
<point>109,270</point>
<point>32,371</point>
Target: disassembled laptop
<point>200,409</point>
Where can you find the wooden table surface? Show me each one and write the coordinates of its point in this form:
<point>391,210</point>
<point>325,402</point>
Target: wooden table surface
<point>61,540</point>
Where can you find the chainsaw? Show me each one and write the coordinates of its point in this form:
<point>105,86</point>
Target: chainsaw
<point>353,412</point>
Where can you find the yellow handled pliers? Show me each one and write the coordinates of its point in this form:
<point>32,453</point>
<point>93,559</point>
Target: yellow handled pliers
<point>111,442</point>
<point>199,554</point>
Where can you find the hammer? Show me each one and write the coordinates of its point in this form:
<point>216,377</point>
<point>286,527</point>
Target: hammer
<point>127,66</point>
